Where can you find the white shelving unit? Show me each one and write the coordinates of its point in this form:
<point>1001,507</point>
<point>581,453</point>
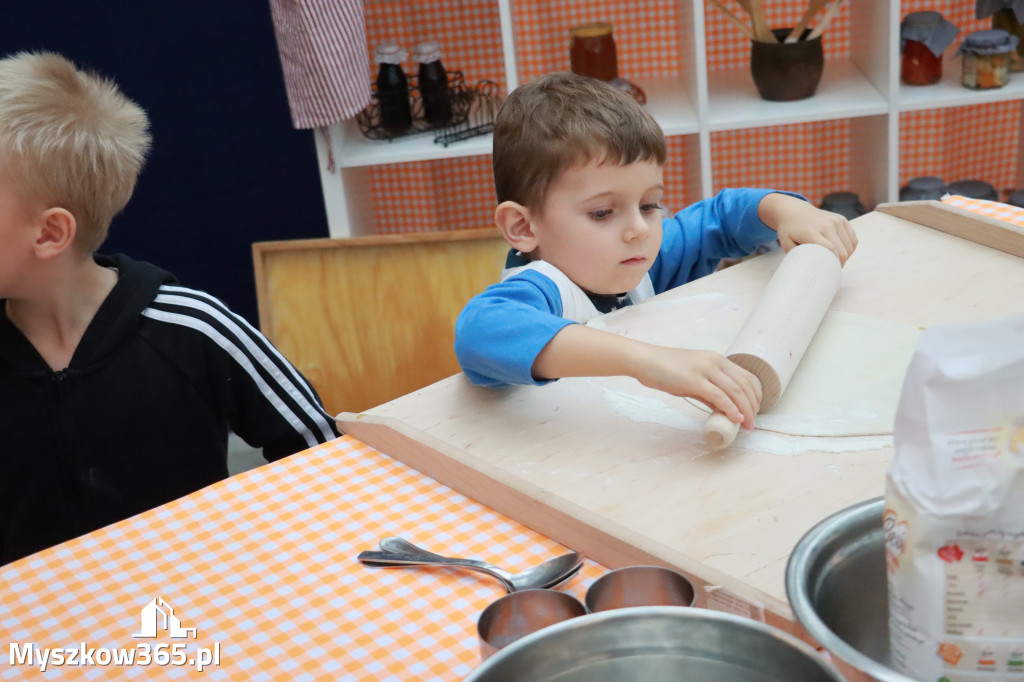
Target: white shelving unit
<point>863,89</point>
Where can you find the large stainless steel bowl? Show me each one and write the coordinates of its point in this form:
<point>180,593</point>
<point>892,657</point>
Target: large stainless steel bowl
<point>655,643</point>
<point>836,584</point>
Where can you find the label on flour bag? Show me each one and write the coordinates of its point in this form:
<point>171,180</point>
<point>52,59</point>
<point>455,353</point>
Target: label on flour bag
<point>954,517</point>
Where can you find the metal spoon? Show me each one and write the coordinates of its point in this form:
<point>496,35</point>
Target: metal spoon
<point>400,552</point>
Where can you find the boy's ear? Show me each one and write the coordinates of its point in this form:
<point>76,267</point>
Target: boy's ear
<point>514,222</point>
<point>57,229</point>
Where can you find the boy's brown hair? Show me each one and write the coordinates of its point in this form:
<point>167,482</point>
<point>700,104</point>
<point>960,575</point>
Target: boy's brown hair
<point>70,139</point>
<point>562,119</point>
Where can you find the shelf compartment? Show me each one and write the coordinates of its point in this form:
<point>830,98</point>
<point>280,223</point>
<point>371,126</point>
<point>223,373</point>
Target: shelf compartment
<point>352,149</point>
<point>844,92</point>
<point>409,23</point>
<point>813,159</point>
<point>426,196</point>
<point>728,49</point>
<point>979,142</point>
<point>646,35</point>
<point>948,92</point>
<point>680,188</point>
<point>666,101</point>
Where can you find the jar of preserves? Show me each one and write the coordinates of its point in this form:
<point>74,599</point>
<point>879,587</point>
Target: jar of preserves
<point>592,51</point>
<point>1009,16</point>
<point>433,84</point>
<point>923,37</point>
<point>392,88</point>
<point>986,58</point>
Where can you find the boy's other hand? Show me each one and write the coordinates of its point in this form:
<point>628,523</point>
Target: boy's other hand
<point>705,375</point>
<point>799,222</point>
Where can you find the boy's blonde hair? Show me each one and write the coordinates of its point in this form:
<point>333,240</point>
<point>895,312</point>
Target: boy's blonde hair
<point>70,139</point>
<point>562,119</point>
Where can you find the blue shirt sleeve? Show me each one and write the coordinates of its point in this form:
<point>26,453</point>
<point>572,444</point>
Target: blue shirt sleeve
<point>501,331</point>
<point>696,239</point>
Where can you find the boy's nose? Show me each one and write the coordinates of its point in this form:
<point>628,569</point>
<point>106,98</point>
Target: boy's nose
<point>637,227</point>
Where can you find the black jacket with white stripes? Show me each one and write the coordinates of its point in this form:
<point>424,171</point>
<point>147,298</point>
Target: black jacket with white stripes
<point>141,414</point>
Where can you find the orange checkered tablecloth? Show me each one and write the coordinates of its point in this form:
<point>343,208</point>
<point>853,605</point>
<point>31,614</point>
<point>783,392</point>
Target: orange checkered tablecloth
<point>263,566</point>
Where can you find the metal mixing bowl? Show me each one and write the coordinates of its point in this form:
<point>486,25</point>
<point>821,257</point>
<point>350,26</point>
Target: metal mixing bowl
<point>836,584</point>
<point>654,643</point>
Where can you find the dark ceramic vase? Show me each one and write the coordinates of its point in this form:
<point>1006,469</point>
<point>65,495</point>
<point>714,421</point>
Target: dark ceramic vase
<point>784,72</point>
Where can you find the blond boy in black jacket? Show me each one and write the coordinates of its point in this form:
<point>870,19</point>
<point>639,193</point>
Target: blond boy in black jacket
<point>117,386</point>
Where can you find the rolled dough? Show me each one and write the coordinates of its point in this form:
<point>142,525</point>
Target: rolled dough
<point>848,382</point>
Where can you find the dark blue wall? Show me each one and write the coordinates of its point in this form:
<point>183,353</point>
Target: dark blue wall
<point>226,168</point>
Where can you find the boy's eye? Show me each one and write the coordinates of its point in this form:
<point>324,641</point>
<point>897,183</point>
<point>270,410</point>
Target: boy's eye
<point>650,208</point>
<point>601,214</point>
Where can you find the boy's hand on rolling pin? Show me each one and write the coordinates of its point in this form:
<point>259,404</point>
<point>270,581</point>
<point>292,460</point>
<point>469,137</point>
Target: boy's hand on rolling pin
<point>705,375</point>
<point>798,222</point>
<point>581,351</point>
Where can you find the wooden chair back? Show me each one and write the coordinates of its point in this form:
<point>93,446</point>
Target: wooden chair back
<point>369,319</point>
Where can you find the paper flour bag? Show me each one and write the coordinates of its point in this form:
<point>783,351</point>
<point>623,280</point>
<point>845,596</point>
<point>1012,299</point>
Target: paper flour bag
<point>954,519</point>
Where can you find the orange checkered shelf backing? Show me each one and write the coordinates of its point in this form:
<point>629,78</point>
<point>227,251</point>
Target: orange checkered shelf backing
<point>976,142</point>
<point>263,566</point>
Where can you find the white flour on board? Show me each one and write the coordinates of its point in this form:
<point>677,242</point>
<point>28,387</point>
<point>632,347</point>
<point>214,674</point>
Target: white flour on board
<point>647,410</point>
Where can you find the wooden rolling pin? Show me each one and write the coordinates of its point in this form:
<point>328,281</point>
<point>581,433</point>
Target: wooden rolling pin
<point>778,331</point>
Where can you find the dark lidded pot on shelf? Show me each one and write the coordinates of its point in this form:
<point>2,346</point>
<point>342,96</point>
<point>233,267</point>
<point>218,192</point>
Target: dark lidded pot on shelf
<point>922,188</point>
<point>846,204</point>
<point>973,189</point>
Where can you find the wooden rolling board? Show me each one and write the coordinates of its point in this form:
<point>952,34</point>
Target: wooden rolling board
<point>578,460</point>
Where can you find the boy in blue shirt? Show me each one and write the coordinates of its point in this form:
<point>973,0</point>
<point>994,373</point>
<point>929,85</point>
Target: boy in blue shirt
<point>578,172</point>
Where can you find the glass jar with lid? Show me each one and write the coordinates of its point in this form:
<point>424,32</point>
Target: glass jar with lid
<point>592,51</point>
<point>923,37</point>
<point>1007,20</point>
<point>986,58</point>
<point>1007,15</point>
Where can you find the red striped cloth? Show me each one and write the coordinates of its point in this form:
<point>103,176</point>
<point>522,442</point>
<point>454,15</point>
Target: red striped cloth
<point>322,44</point>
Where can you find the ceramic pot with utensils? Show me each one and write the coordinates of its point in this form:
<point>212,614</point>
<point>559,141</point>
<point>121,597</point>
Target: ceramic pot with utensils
<point>783,71</point>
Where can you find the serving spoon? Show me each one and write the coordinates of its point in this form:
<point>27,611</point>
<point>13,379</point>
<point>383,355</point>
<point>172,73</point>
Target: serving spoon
<point>397,552</point>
